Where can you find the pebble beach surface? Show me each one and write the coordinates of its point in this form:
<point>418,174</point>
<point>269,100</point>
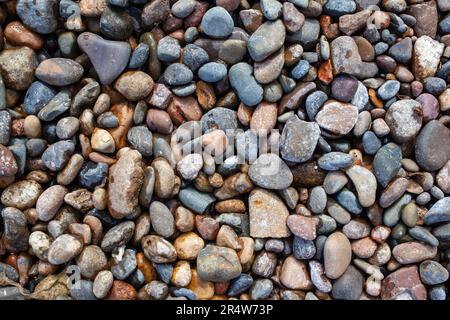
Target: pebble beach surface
<point>227,149</point>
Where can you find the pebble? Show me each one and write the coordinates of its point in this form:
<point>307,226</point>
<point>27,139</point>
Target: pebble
<point>404,119</point>
<point>49,202</point>
<point>413,252</point>
<point>125,177</point>
<point>267,215</point>
<point>337,255</point>
<point>102,284</point>
<point>336,117</point>
<point>59,71</point>
<point>242,80</point>
<point>212,72</point>
<point>439,212</point>
<point>63,249</point>
<point>22,194</point>
<point>177,74</point>
<point>39,16</point>
<point>404,282</point>
<point>259,46</point>
<point>433,133</point>
<point>99,50</point>
<point>270,172</point>
<point>162,219</point>
<point>8,164</point>
<point>349,286</point>
<point>294,274</point>
<point>298,140</point>
<point>217,23</point>
<point>134,85</point>
<point>387,163</point>
<point>218,264</point>
<point>433,273</point>
<point>117,236</point>
<point>17,66</point>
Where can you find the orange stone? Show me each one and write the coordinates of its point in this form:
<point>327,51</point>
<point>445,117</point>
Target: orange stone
<point>202,288</point>
<point>205,95</point>
<point>325,73</point>
<point>374,99</point>
<point>122,291</point>
<point>124,112</point>
<point>19,35</point>
<point>146,267</point>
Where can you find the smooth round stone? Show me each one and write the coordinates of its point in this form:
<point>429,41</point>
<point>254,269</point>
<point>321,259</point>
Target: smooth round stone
<point>22,194</point>
<point>183,8</point>
<point>334,182</point>
<point>349,201</point>
<point>184,90</point>
<point>271,9</point>
<point>108,120</point>
<point>344,88</point>
<point>317,199</point>
<point>162,219</point>
<point>232,51</point>
<point>433,273</point>
<point>117,236</point>
<point>17,67</point>
<point>404,118</point>
<point>365,184</point>
<point>63,249</point>
<point>212,72</point>
<point>177,74</point>
<point>92,174</point>
<point>67,127</point>
<point>218,264</point>
<point>37,97</point>
<point>243,82</point>
<point>337,117</point>
<point>191,34</point>
<point>116,23</point>
<point>55,107</point>
<point>57,154</point>
<point>434,85</point>
<point>134,85</point>
<point>387,163</point>
<point>194,57</point>
<point>190,166</point>
<point>239,285</point>
<point>270,172</point>
<point>388,90</point>
<point>267,39</point>
<point>298,140</point>
<point>300,70</point>
<point>349,286</point>
<point>294,274</point>
<point>102,284</point>
<point>273,92</point>
<point>39,16</point>
<point>139,56</point>
<point>392,215</point>
<point>217,23</point>
<point>303,249</point>
<point>59,71</point>
<point>168,49</point>
<point>371,143</point>
<point>334,161</point>
<point>438,293</point>
<point>91,260</point>
<point>393,192</point>
<point>413,252</point>
<point>49,202</point>
<point>337,255</point>
<point>433,146</point>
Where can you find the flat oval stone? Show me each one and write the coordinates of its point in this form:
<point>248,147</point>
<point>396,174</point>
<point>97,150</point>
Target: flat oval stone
<point>59,71</point>
<point>49,202</point>
<point>433,146</point>
<point>218,264</point>
<point>118,236</point>
<point>63,249</point>
<point>100,50</point>
<point>217,23</point>
<point>162,219</point>
<point>134,85</point>
<point>432,272</point>
<point>55,157</point>
<point>404,118</point>
<point>22,194</point>
<point>413,252</point>
<point>337,255</point>
<point>267,39</point>
<point>334,161</point>
<point>270,172</point>
<point>178,74</point>
<point>387,163</point>
<point>337,117</point>
<point>269,69</point>
<point>126,177</point>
